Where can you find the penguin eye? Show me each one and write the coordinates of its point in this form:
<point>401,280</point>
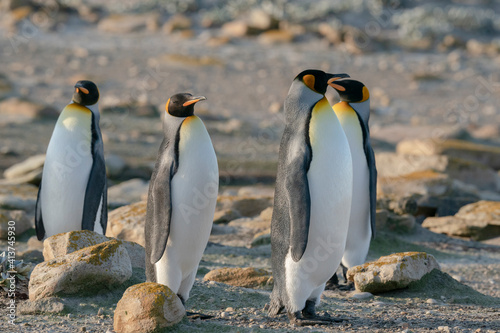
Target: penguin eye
<point>309,80</point>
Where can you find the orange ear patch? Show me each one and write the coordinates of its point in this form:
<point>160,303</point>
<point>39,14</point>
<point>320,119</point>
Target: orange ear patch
<point>83,90</point>
<point>166,105</point>
<point>309,81</point>
<point>366,94</point>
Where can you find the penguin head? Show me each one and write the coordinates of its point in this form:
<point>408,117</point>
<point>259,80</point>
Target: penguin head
<point>317,80</point>
<point>351,91</point>
<point>182,105</point>
<point>86,93</point>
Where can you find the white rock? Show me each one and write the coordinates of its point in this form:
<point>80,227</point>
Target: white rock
<point>25,167</point>
<point>20,225</point>
<point>128,192</point>
<point>431,301</point>
<point>391,272</point>
<point>362,295</point>
<point>128,223</point>
<point>85,271</point>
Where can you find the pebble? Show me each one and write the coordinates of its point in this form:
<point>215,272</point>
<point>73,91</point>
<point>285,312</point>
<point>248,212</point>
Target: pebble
<point>443,328</point>
<point>100,312</point>
<point>378,303</point>
<point>362,295</point>
<point>229,309</point>
<point>223,315</point>
<point>431,301</point>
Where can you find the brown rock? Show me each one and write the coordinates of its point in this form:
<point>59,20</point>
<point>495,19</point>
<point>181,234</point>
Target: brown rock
<point>260,20</point>
<point>28,109</point>
<point>147,307</point>
<point>248,277</point>
<point>226,215</point>
<point>126,23</point>
<point>128,223</point>
<point>276,36</point>
<point>236,29</point>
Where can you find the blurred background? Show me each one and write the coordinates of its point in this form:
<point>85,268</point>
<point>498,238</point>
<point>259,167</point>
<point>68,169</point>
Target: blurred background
<point>432,68</point>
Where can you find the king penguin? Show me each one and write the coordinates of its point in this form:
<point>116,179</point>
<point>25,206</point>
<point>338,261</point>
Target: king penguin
<point>181,199</point>
<point>73,191</point>
<point>312,200</point>
<point>353,111</point>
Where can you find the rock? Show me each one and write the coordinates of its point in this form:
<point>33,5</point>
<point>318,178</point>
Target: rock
<point>147,307</point>
<point>362,295</point>
<point>273,37</point>
<point>484,154</point>
<point>479,221</point>
<point>47,305</point>
<point>21,222</point>
<point>260,20</point>
<point>405,205</point>
<point>391,272</point>
<point>115,165</point>
<point>261,238</point>
<point>266,214</point>
<point>226,215</point>
<point>128,222</point>
<point>29,171</point>
<point>400,223</point>
<point>237,29</point>
<point>246,206</point>
<point>381,216</point>
<point>178,22</point>
<point>24,108</point>
<point>254,223</point>
<point>69,242</point>
<point>85,271</point>
<point>248,277</point>
<point>256,191</point>
<point>128,192</point>
<point>126,23</point>
<point>442,206</point>
<point>331,31</point>
<point>18,196</point>
<point>471,172</point>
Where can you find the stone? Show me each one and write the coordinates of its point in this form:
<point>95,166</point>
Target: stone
<point>147,307</point>
<point>479,221</point>
<point>381,216</point>
<point>254,223</point>
<point>362,295</point>
<point>22,222</point>
<point>480,153</point>
<point>260,20</point>
<point>391,272</point>
<point>400,223</point>
<point>247,277</point>
<point>18,196</point>
<point>261,238</point>
<point>226,215</point>
<point>178,22</point>
<point>332,32</point>
<point>49,305</point>
<point>256,191</point>
<point>128,223</point>
<point>24,108</point>
<point>246,206</point>
<point>128,192</point>
<point>236,29</point>
<point>115,165</point>
<point>69,242</point>
<point>86,271</point>
<point>126,23</point>
<point>276,36</point>
<point>31,167</point>
<point>442,206</point>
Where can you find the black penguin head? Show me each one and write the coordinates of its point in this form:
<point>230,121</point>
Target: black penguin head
<point>351,91</point>
<point>317,80</point>
<point>182,105</point>
<point>86,93</point>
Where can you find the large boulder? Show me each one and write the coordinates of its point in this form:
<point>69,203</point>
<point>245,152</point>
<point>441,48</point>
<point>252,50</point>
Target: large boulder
<point>84,271</point>
<point>248,277</point>
<point>391,272</point>
<point>13,218</point>
<point>488,155</point>
<point>69,242</point>
<point>128,222</point>
<point>479,221</point>
<point>147,307</point>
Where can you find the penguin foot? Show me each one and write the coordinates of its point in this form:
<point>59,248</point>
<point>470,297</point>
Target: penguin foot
<point>349,286</point>
<point>196,315</point>
<point>333,283</point>
<point>297,319</point>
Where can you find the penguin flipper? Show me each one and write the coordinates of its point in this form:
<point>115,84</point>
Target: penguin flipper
<point>96,187</point>
<point>372,169</point>
<point>299,201</point>
<point>40,229</point>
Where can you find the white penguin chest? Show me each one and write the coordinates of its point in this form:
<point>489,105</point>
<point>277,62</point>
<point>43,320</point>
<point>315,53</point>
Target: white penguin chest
<point>329,176</point>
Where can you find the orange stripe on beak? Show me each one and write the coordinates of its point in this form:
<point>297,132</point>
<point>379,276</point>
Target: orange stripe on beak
<point>195,100</point>
<point>335,86</point>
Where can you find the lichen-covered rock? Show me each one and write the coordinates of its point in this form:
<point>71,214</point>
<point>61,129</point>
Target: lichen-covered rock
<point>479,220</point>
<point>391,272</point>
<point>21,222</point>
<point>85,271</point>
<point>247,277</point>
<point>147,307</point>
<point>128,222</point>
<point>65,243</point>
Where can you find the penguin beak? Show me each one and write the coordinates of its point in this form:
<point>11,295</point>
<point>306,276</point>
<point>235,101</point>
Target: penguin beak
<point>194,100</point>
<point>83,90</point>
<point>334,85</point>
